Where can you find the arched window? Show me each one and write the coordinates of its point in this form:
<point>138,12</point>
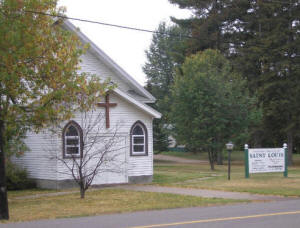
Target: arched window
<point>72,140</point>
<point>138,140</point>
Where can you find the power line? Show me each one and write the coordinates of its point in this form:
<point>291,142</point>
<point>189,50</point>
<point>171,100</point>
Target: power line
<point>107,24</point>
<point>118,26</point>
<point>127,27</point>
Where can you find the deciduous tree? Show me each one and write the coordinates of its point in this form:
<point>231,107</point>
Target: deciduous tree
<point>210,103</point>
<point>39,83</point>
<point>102,150</point>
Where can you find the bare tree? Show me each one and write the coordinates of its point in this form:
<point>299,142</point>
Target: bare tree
<point>99,151</point>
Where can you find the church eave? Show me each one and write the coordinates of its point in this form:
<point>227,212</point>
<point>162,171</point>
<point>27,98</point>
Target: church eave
<point>139,105</point>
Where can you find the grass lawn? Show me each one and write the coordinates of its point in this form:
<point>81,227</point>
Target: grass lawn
<point>98,202</point>
<point>200,176</point>
<point>31,192</point>
<point>107,200</point>
<point>236,155</point>
<point>189,155</point>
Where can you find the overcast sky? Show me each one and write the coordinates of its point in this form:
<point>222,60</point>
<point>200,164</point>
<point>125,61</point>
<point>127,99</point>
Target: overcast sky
<point>125,47</point>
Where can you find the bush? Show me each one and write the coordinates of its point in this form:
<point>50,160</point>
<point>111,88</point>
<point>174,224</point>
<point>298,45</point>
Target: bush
<point>17,178</point>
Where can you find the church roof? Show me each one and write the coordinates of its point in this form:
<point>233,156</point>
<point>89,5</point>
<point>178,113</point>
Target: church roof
<point>140,90</point>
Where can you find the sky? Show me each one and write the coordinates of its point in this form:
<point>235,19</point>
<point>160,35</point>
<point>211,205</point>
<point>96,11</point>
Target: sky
<point>125,47</point>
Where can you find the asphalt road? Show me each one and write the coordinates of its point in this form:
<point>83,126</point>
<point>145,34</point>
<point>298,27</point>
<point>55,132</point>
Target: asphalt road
<point>259,215</point>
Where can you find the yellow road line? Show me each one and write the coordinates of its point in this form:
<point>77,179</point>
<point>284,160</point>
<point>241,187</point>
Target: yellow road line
<point>219,219</point>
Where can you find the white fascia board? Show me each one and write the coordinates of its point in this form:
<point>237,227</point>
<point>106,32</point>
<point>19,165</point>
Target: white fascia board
<point>138,104</point>
<point>109,62</point>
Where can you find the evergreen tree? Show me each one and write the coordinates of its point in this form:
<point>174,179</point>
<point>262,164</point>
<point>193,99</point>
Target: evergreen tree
<point>212,24</point>
<point>262,40</point>
<point>271,45</point>
<point>160,70</point>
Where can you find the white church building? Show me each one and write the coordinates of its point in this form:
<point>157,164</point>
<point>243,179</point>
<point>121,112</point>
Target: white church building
<point>125,107</point>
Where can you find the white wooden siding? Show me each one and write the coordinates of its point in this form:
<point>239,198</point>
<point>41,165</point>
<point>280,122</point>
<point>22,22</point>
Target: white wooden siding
<point>43,146</point>
<point>91,64</point>
<point>128,114</point>
<point>123,116</point>
<point>37,161</point>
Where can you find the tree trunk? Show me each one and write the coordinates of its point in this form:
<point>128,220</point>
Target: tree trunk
<point>219,157</point>
<point>211,159</point>
<point>290,141</point>
<point>3,191</point>
<point>214,155</point>
<point>257,136</point>
<point>82,192</point>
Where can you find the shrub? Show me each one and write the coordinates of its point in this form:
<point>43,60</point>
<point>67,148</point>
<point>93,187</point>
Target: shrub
<point>17,178</point>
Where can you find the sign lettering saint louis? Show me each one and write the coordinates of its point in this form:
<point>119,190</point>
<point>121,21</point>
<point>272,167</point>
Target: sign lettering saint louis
<point>265,160</point>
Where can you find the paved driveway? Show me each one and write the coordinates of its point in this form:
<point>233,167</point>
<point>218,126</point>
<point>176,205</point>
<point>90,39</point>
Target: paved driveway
<point>178,159</point>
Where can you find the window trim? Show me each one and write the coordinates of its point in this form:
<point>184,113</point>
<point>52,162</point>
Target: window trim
<point>144,128</point>
<point>77,126</point>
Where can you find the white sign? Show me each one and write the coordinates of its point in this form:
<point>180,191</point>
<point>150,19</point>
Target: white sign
<point>266,160</point>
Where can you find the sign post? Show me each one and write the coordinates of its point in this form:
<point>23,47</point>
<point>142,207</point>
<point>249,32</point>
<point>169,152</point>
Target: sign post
<point>229,147</point>
<point>266,160</point>
<point>246,161</point>
<point>285,174</point>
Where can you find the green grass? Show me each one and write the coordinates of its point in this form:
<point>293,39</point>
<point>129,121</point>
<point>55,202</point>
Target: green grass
<point>189,155</point>
<point>98,202</point>
<point>165,174</point>
<point>200,176</point>
<point>235,156</point>
<point>30,192</point>
<point>172,173</point>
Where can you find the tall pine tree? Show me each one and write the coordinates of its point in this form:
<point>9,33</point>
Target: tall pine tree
<point>165,50</point>
<point>262,39</point>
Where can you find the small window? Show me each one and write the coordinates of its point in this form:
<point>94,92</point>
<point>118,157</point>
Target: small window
<point>72,140</point>
<point>138,139</point>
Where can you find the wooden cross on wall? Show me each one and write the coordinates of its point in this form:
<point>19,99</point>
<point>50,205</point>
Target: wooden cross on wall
<point>107,105</point>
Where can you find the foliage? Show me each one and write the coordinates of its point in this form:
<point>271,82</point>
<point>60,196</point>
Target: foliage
<point>17,178</point>
<point>166,47</point>
<point>160,136</point>
<point>262,39</point>
<point>210,104</point>
<point>39,63</point>
<point>16,145</point>
<point>40,84</point>
<point>165,50</point>
<point>210,24</point>
<point>274,51</point>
